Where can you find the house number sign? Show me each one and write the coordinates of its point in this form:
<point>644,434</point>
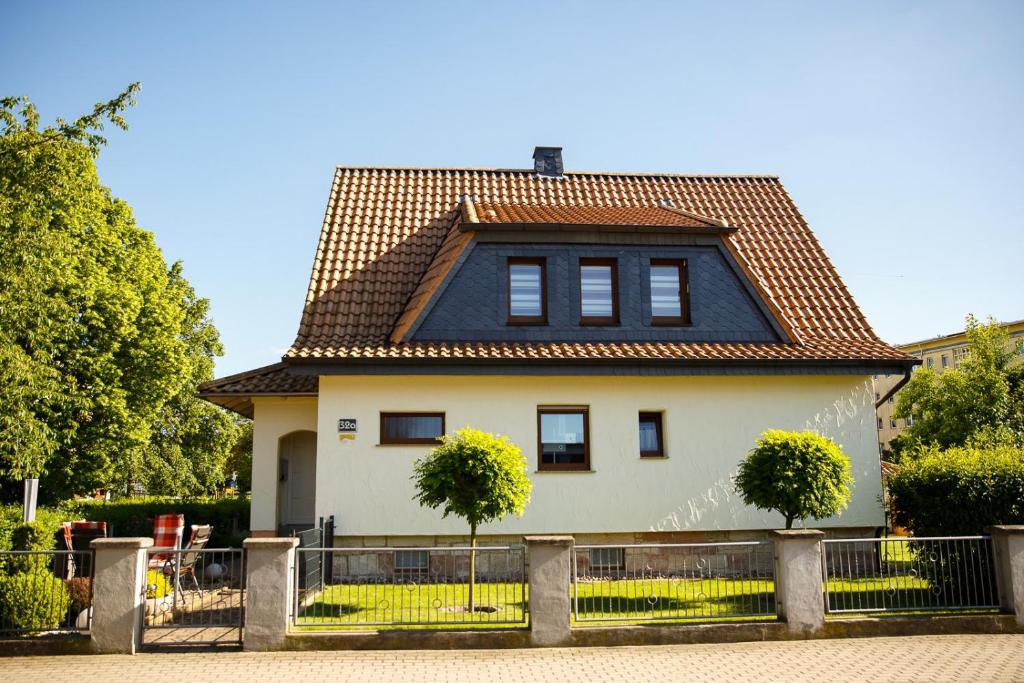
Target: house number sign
<point>347,428</point>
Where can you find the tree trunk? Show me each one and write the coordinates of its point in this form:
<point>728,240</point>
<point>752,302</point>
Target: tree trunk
<point>472,565</point>
<point>789,521</point>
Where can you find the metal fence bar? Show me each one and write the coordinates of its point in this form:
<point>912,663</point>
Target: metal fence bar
<point>194,596</point>
<point>908,574</point>
<point>414,586</point>
<point>673,581</point>
<point>50,592</point>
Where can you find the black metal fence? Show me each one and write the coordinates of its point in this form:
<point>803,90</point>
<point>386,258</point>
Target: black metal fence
<point>310,571</point>
<point>45,592</point>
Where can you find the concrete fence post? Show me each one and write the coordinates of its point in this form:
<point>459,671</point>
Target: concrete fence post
<point>118,594</point>
<point>798,579</point>
<point>269,586</point>
<point>550,560</point>
<point>1008,544</point>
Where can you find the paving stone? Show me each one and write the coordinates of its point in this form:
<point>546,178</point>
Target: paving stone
<point>921,658</point>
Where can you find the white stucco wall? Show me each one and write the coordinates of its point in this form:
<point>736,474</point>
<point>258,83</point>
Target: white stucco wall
<point>710,423</point>
<point>273,418</point>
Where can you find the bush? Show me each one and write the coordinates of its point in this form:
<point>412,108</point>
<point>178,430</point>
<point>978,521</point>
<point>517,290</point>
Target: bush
<point>800,474</point>
<point>33,601</point>
<point>958,491</point>
<point>80,593</point>
<point>229,517</point>
<point>43,535</point>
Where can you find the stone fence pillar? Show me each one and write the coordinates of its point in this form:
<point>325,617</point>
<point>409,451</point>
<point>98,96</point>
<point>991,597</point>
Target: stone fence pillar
<point>798,579</point>
<point>550,560</point>
<point>1008,543</point>
<point>118,594</point>
<point>269,586</point>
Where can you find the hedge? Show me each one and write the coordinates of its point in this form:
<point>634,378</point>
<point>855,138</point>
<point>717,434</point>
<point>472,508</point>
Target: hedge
<point>126,517</point>
<point>958,491</point>
<point>134,516</point>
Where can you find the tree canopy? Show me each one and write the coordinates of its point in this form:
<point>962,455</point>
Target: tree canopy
<point>800,474</point>
<point>981,398</point>
<point>101,343</point>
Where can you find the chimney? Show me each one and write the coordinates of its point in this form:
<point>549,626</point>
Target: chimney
<point>547,161</point>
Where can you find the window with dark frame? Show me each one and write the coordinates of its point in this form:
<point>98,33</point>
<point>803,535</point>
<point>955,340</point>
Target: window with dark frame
<point>527,291</point>
<point>652,444</point>
<point>599,291</point>
<point>412,562</point>
<point>563,439</point>
<point>670,292</point>
<point>608,559</point>
<point>411,428</point>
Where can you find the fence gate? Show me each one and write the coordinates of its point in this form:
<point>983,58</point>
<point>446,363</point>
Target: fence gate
<point>194,597</point>
<point>311,564</point>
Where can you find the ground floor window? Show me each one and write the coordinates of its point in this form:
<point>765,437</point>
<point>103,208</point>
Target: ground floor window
<point>411,561</point>
<point>411,427</point>
<point>608,559</point>
<point>563,438</point>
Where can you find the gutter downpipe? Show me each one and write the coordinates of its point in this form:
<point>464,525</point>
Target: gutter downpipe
<point>907,373</point>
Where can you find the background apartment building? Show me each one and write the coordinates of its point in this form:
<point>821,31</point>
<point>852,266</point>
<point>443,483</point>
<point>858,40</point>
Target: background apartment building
<point>938,353</point>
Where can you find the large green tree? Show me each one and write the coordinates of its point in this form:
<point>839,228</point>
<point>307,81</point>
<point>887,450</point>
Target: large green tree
<point>981,397</point>
<point>101,343</point>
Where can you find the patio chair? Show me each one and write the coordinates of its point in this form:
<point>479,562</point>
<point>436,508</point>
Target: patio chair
<point>200,537</point>
<point>167,531</point>
<point>78,536</point>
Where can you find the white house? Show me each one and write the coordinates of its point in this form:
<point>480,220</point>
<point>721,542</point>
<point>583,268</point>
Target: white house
<point>632,333</point>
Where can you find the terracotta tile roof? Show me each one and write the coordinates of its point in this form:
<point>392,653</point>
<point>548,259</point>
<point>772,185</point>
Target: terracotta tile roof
<point>533,214</point>
<point>840,350</point>
<point>233,391</point>
<point>455,242</point>
<point>384,228</point>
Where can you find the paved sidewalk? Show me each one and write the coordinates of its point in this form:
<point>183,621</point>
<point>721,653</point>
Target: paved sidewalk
<point>922,658</point>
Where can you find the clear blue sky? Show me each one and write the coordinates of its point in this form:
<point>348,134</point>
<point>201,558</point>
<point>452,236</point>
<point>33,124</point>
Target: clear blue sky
<point>896,126</point>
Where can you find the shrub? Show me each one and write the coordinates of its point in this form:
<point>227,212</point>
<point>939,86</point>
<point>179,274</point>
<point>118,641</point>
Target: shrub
<point>958,491</point>
<point>800,474</point>
<point>80,593</point>
<point>33,601</point>
<point>43,535</point>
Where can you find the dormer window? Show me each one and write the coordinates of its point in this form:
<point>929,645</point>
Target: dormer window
<point>599,292</point>
<point>527,291</point>
<point>669,292</point>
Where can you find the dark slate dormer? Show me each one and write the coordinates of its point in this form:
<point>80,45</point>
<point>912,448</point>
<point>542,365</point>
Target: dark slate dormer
<point>547,162</point>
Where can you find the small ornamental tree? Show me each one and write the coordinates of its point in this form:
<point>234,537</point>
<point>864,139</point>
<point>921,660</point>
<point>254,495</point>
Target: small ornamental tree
<point>800,474</point>
<point>477,476</point>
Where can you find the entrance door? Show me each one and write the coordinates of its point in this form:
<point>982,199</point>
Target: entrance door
<point>298,472</point>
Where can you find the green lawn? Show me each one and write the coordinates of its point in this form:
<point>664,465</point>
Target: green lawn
<point>620,601</point>
<point>415,605</point>
<point>611,602</point>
